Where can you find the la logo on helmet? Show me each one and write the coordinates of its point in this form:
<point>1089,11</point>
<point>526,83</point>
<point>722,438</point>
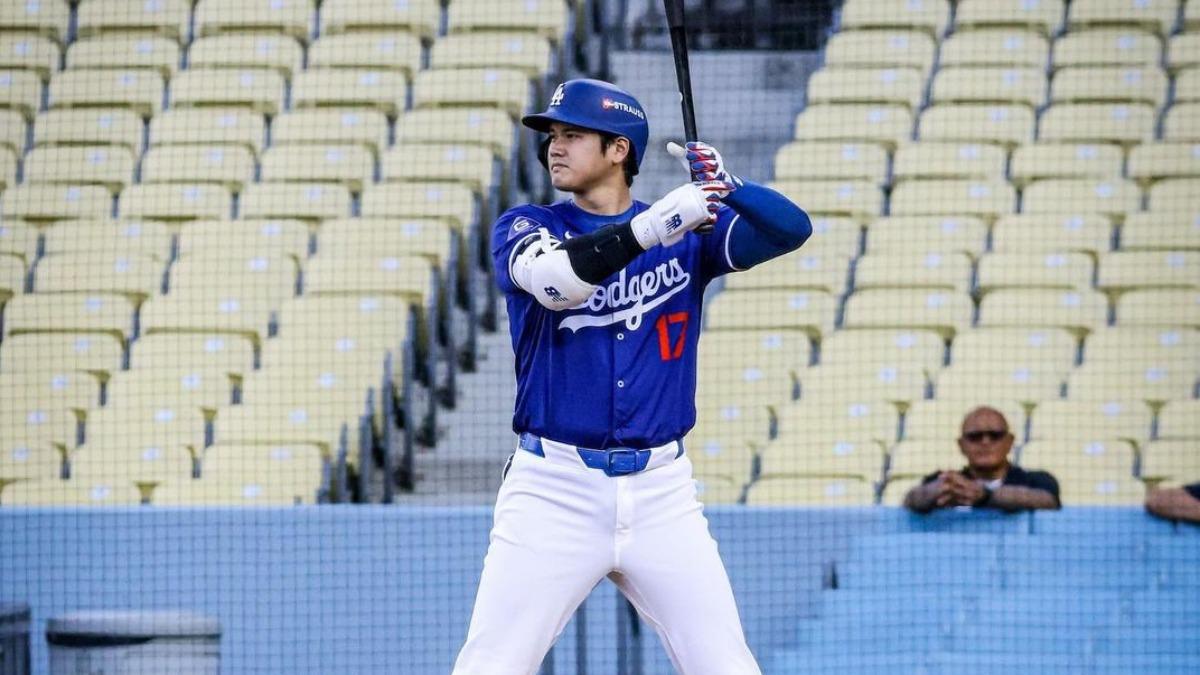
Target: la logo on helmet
<point>557,98</point>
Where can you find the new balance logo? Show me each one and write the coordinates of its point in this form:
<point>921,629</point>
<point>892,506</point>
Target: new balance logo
<point>674,223</point>
<point>554,294</point>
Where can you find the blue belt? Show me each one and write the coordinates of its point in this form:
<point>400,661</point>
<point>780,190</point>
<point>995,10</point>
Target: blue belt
<point>613,462</point>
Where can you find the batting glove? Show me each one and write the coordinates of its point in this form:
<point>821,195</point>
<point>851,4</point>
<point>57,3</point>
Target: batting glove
<point>704,163</point>
<point>682,210</point>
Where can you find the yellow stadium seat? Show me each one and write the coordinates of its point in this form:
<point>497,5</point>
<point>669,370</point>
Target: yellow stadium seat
<point>1124,419</point>
<point>713,455</point>
<point>56,202</point>
<point>221,273</point>
<point>895,490</point>
<point>1066,160</point>
<point>124,51</point>
<point>109,240</point>
<point>1067,271</point>
<point>8,168</point>
<point>21,90</point>
<point>366,127</point>
<point>348,165</point>
<point>1107,47</point>
<point>771,350</point>
<point>136,89</point>
<point>526,52</point>
<point>1191,16</point>
<point>452,203</point>
<point>277,423</point>
<point>505,89</point>
<point>1161,231</point>
<point>1174,194</point>
<point>216,353</point>
<point>363,238</point>
<point>1111,197</point>
<point>29,52</point>
<point>21,461</point>
<point>168,18</point>
<point>175,202</point>
<point>1153,383</point>
<point>19,240</point>
<point>727,422</point>
<point>931,16</point>
<point>12,131</point>
<point>1104,492</point>
<point>338,332</point>
<point>941,311</point>
<point>1174,461</point>
<point>809,311</point>
<point>880,49</point>
<point>84,165</point>
<point>546,18</point>
<point>1153,161</point>
<point>750,385</point>
<point>945,271</point>
<point>997,346</point>
<point>134,276</point>
<point>927,234</point>
<point>98,354</point>
<point>342,392</point>
<point>717,489</point>
<point>899,383</point>
<point>1025,383</point>
<point>249,317</point>
<point>400,52</point>
<point>985,199</point>
<point>940,420</point>
<point>1024,86</point>
<point>39,424</point>
<point>290,17</point>
<point>1051,233</point>
<point>131,463</point>
<point>295,200</point>
<point>828,160</point>
<point>1157,16</point>
<point>245,493</point>
<point>383,90</point>
<point>1042,16</point>
<point>1187,86</point>
<point>173,386</point>
<point>69,313</point>
<point>481,126</point>
<point>51,388</point>
<point>470,165</point>
<point>299,466</point>
<point>833,236</point>
<point>1077,311</point>
<point>1159,308</point>
<point>915,459</point>
<point>147,424</point>
<point>12,276</point>
<point>65,493</point>
<point>251,51</point>
<point>1124,124</point>
<point>1006,125</point>
<point>1146,344</point>
<point>410,277</point>
<point>1119,84</point>
<point>1078,459</point>
<point>1179,419</point>
<point>796,271</point>
<point>824,492</point>
<point>207,239</point>
<point>825,420</point>
<point>883,86</point>
<point>1128,270</point>
<point>229,166</point>
<point>1183,51</point>
<point>949,160</point>
<point>420,17</point>
<point>793,455</point>
<point>260,90</point>
<point>856,122</point>
<point>996,47</point>
<point>45,17</point>
<point>923,350</point>
<point>202,126</point>
<point>855,198</point>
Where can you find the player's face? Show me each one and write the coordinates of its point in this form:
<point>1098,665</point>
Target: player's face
<point>985,440</point>
<point>576,160</point>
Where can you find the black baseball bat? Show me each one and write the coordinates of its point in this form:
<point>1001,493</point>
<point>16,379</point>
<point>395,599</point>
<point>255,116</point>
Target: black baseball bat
<point>677,26</point>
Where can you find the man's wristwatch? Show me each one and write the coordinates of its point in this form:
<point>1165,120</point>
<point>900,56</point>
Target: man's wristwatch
<point>984,498</point>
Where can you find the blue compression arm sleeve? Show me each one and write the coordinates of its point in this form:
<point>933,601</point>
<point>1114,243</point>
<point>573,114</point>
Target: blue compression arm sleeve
<point>770,225</point>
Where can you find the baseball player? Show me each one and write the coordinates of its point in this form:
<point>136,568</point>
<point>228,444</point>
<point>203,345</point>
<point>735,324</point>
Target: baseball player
<point>604,300</point>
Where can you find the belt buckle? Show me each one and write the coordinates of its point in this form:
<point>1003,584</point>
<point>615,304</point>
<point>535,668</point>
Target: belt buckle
<point>621,462</point>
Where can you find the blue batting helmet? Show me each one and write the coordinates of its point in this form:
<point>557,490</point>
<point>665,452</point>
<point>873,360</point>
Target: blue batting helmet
<point>595,105</point>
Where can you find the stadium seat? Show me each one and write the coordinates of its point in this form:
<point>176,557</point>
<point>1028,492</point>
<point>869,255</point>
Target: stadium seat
<point>748,383</point>
<point>546,18</point>
<point>295,200</point>
<point>855,198</point>
<point>798,271</point>
<point>259,90</point>
<point>880,49</point>
<point>203,126</point>
<point>1067,271</point>
<point>277,467</point>
<point>19,461</point>
<point>21,90</point>
<point>505,89</point>
<point>1159,308</point>
<point>97,353</point>
<point>1006,125</point>
<point>249,51</point>
<point>347,165</point>
<point>39,424</point>
<point>58,493</point>
<point>289,17</point>
<point>1042,16</point>
<point>931,16</point>
<point>333,391</point>
<point>985,199</point>
<point>830,160</point>
<point>362,238</point>
<point>715,454</point>
<point>134,276</point>
<point>1187,86</point>
<point>1183,51</point>
<point>1117,84</point>
<point>410,277</point>
<point>168,18</point>
<point>249,317</point>
<point>996,47</point>
<point>48,387</point>
<point>29,52</point>
<point>13,130</point>
<point>940,311</point>
<point>173,386</point>
<point>216,353</point>
<point>884,124</point>
<point>277,423</point>
<point>482,126</point>
<point>136,89</point>
<point>1077,311</point>
<point>245,493</point>
<point>453,203</point>
<point>1066,160</point>
<point>1124,124</point>
<point>1161,231</point>
<point>940,420</point>
<point>131,463</point>
<point>1111,197</point>
<point>12,277</point>
<point>833,236</point>
<point>221,273</point>
<point>1179,419</point>
<point>1129,270</point>
<point>872,348</point>
<point>932,160</point>
<point>48,17</point>
<point>1191,17</point>
<point>882,86</point>
<point>831,420</point>
<point>827,492</point>
<point>147,424</point>
<point>927,234</point>
<point>419,17</point>
<point>1174,194</point>
<point>1153,161</point>
<point>109,240</point>
<point>382,90</point>
<point>1154,383</point>
<point>1145,344</point>
<point>1156,16</point>
<point>945,271</point>
<point>911,460</point>
<point>897,382</point>
<point>8,168</point>
<point>85,165</point>
<point>716,489</point>
<point>792,455</point>
<point>773,350</point>
<point>124,52</point>
<point>366,127</point>
<point>1171,461</point>
<point>56,202</point>
<point>808,311</point>
<point>1122,46</point>
<point>174,202</point>
<point>1050,233</point>
<point>895,490</point>
<point>998,346</point>
<point>1083,467</point>
<point>1127,420</point>
<point>69,313</point>
<point>19,240</point>
<point>1023,86</point>
<point>207,239</point>
<point>230,166</point>
<point>470,165</point>
<point>400,52</point>
<point>1008,380</point>
<point>523,51</point>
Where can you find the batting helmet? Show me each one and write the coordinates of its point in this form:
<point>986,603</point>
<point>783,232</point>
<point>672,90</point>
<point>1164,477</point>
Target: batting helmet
<point>595,105</point>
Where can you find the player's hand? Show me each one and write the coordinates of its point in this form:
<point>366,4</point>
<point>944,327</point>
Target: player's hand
<point>703,163</point>
<point>682,210</point>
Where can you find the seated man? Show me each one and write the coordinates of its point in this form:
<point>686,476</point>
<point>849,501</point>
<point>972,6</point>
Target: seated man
<point>1181,503</point>
<point>988,480</point>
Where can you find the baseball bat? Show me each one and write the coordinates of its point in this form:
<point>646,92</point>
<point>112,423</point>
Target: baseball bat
<point>677,26</point>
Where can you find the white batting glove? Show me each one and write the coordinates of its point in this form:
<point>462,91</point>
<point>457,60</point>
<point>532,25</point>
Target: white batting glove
<point>704,163</point>
<point>682,210</point>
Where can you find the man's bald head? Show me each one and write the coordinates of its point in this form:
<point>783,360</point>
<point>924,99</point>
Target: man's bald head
<point>984,417</point>
<point>985,440</point>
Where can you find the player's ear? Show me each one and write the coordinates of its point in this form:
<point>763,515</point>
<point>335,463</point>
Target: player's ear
<point>618,150</point>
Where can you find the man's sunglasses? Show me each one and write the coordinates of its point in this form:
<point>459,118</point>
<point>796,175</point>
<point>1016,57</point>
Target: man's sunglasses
<point>992,435</point>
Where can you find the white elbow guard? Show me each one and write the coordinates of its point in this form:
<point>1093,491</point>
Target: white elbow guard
<point>543,270</point>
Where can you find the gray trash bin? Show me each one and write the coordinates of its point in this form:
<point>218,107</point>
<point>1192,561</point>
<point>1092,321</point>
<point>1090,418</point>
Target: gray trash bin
<point>133,643</point>
<point>14,639</point>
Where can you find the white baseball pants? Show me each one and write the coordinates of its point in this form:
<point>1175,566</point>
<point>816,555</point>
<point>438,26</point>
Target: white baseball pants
<point>560,528</point>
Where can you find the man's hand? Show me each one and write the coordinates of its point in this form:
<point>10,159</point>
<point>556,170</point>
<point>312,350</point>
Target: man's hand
<point>703,163</point>
<point>682,210</point>
<point>959,490</point>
